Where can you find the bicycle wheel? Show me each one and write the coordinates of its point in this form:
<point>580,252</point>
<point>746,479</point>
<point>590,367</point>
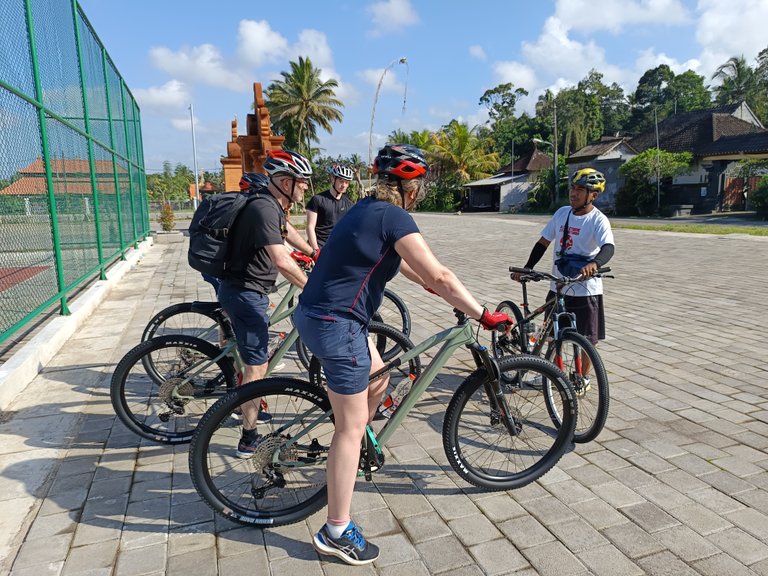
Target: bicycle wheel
<point>511,342</point>
<point>168,410</point>
<point>480,446</point>
<point>183,319</point>
<point>284,481</point>
<point>394,312</point>
<point>592,397</point>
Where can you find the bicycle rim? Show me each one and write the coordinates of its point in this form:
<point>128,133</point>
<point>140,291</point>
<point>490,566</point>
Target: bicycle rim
<point>479,444</point>
<point>165,405</point>
<point>593,398</point>
<point>284,481</point>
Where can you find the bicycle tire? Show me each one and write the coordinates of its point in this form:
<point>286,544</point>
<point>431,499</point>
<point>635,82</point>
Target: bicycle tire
<point>177,319</point>
<point>400,312</point>
<point>168,321</point>
<point>470,422</point>
<point>594,401</point>
<point>147,406</point>
<point>240,489</point>
<point>510,343</point>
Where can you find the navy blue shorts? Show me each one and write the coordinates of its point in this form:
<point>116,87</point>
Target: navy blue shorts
<point>341,345</point>
<point>248,311</point>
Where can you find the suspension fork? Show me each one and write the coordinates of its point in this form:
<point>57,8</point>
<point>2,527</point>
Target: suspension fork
<point>492,387</point>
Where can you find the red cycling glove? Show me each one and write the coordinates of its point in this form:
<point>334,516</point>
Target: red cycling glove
<point>301,259</point>
<point>315,254</point>
<point>491,320</point>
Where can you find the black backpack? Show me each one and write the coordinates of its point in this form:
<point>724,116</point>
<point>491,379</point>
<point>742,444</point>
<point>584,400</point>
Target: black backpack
<point>210,228</point>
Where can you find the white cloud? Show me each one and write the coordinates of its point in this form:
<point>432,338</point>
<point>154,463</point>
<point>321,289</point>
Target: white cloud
<point>520,75</point>
<point>171,95</point>
<point>314,44</point>
<point>727,29</point>
<point>258,44</point>
<point>390,82</point>
<point>392,16</point>
<point>587,16</point>
<point>648,59</point>
<point>200,64</point>
<point>477,52</point>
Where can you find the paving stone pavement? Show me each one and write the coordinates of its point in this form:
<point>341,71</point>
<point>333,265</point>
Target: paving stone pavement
<point>677,483</point>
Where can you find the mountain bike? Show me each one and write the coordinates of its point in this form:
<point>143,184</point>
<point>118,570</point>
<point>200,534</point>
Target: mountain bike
<point>496,436</point>
<point>557,340</point>
<point>195,319</point>
<point>165,403</point>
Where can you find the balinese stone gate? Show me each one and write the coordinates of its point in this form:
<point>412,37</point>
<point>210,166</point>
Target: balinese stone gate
<point>247,153</point>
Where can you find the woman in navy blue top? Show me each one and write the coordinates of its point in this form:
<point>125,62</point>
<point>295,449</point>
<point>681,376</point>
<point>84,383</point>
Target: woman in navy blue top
<point>376,239</point>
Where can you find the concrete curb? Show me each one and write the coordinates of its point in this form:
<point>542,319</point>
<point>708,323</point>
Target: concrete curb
<point>21,368</point>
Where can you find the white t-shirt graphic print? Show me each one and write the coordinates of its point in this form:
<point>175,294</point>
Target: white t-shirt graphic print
<point>586,236</point>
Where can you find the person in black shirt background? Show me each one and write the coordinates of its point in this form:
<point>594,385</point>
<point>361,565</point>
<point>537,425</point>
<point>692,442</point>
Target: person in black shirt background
<point>324,210</point>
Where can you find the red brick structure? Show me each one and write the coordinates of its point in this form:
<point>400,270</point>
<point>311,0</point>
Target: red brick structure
<point>247,153</point>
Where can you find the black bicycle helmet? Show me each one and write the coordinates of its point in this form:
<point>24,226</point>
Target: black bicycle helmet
<point>253,180</point>
<point>401,160</point>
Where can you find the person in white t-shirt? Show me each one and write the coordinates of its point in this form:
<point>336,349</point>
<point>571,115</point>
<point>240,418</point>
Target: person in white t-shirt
<point>590,235</point>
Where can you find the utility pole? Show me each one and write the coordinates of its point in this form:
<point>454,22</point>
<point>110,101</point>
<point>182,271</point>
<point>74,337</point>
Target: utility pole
<point>194,157</point>
<point>658,154</point>
<point>554,142</point>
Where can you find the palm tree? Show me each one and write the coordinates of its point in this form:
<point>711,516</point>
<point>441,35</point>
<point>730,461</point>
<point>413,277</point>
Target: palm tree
<point>459,152</point>
<point>301,102</point>
<point>738,81</point>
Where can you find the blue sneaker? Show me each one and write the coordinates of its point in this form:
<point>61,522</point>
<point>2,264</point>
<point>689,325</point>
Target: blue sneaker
<point>247,446</point>
<point>351,547</point>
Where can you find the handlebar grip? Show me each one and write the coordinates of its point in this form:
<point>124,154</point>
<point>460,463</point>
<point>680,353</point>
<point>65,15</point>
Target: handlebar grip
<point>604,270</point>
<point>520,270</point>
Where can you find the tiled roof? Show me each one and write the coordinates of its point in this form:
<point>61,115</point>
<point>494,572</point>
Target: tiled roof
<point>536,160</point>
<point>604,146</point>
<point>742,144</point>
<point>691,131</point>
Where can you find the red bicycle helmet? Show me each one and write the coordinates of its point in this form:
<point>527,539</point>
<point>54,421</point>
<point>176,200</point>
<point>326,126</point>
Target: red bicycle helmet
<point>401,160</point>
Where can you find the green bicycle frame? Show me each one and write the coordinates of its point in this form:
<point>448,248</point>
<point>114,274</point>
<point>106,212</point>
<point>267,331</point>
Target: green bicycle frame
<point>281,312</point>
<point>451,338</point>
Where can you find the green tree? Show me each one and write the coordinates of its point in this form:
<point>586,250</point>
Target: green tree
<point>737,81</point>
<point>457,156</point>
<point>641,173</point>
<point>504,129</point>
<point>301,103</point>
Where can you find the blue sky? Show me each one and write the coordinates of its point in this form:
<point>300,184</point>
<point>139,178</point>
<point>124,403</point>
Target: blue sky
<point>174,53</point>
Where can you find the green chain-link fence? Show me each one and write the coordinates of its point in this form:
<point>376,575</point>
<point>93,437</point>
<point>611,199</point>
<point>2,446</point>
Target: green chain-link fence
<point>72,183</point>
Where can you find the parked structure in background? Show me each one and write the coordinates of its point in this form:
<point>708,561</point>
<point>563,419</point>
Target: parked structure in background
<point>508,190</point>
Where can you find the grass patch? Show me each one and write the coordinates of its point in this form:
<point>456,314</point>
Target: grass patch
<point>695,228</point>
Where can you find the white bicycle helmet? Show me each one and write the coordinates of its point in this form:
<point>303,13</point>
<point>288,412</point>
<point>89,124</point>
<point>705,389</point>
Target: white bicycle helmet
<point>341,171</point>
<point>287,162</point>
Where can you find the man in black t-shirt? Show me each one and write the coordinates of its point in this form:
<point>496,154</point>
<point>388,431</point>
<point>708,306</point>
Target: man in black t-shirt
<point>256,254</point>
<point>324,210</point>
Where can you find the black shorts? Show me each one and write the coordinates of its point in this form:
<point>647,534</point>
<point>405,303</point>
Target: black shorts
<point>590,315</point>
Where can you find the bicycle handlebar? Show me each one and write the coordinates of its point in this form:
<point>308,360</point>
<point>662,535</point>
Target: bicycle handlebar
<point>528,274</point>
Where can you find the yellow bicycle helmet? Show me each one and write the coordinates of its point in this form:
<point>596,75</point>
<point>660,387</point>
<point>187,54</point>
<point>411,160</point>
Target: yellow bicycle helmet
<point>590,179</point>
